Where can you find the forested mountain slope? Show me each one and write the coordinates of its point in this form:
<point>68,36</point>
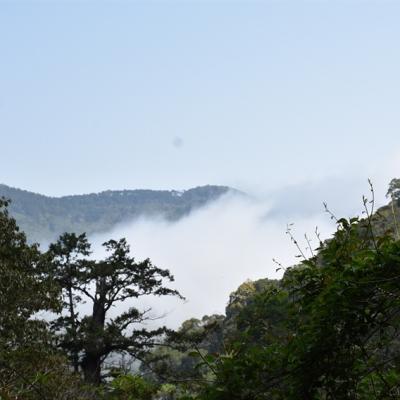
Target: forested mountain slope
<point>43,218</point>
<point>329,329</point>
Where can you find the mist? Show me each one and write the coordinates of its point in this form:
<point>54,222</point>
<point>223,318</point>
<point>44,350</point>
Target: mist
<point>216,248</point>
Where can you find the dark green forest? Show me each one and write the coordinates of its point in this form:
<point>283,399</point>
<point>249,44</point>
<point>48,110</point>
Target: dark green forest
<point>44,218</point>
<point>329,329</point>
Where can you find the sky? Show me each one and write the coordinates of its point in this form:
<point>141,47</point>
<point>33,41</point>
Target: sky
<point>294,102</point>
<point>170,95</point>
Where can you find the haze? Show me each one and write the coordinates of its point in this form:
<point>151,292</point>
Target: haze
<point>218,247</point>
<point>293,102</point>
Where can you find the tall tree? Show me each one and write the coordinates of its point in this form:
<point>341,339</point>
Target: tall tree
<point>116,279</point>
<point>30,367</point>
<point>24,287</point>
<point>66,254</point>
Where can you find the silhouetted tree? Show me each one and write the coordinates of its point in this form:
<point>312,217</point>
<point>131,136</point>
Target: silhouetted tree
<point>118,278</point>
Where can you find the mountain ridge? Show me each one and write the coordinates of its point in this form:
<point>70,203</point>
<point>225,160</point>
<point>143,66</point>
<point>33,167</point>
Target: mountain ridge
<point>43,218</point>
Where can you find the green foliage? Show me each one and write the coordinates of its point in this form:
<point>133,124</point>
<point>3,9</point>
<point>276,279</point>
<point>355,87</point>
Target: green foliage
<point>394,189</point>
<point>131,387</point>
<point>174,359</point>
<point>329,330</point>
<point>169,391</point>
<point>40,373</point>
<point>30,368</point>
<point>25,288</point>
<point>189,355</point>
<point>245,314</point>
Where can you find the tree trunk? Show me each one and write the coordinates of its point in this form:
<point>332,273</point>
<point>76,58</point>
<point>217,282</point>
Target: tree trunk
<point>91,366</point>
<point>75,356</point>
<point>92,360</point>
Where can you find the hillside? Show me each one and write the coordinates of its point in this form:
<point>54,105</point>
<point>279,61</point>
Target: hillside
<point>328,328</point>
<point>43,218</point>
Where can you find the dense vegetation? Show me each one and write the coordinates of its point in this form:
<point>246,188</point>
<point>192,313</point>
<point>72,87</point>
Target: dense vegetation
<point>329,329</point>
<point>45,218</point>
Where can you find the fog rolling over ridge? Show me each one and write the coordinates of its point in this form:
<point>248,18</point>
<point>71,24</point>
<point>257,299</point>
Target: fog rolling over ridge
<point>211,238</point>
<point>44,218</point>
<point>217,247</point>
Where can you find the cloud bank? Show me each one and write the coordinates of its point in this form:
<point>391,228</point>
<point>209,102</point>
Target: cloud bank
<point>215,249</point>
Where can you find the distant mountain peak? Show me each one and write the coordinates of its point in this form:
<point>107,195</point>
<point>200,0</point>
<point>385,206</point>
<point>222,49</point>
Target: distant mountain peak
<point>44,218</point>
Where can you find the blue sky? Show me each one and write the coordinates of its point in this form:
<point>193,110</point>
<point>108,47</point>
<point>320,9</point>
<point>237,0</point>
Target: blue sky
<point>112,95</point>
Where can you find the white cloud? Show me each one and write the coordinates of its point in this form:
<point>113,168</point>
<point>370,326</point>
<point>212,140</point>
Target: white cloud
<point>213,250</point>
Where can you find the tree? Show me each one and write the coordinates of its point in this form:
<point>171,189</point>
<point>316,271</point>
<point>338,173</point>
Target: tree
<point>65,254</point>
<point>394,189</point>
<point>30,366</point>
<point>131,387</point>
<point>174,362</point>
<point>24,287</point>
<point>117,279</point>
<point>330,329</point>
